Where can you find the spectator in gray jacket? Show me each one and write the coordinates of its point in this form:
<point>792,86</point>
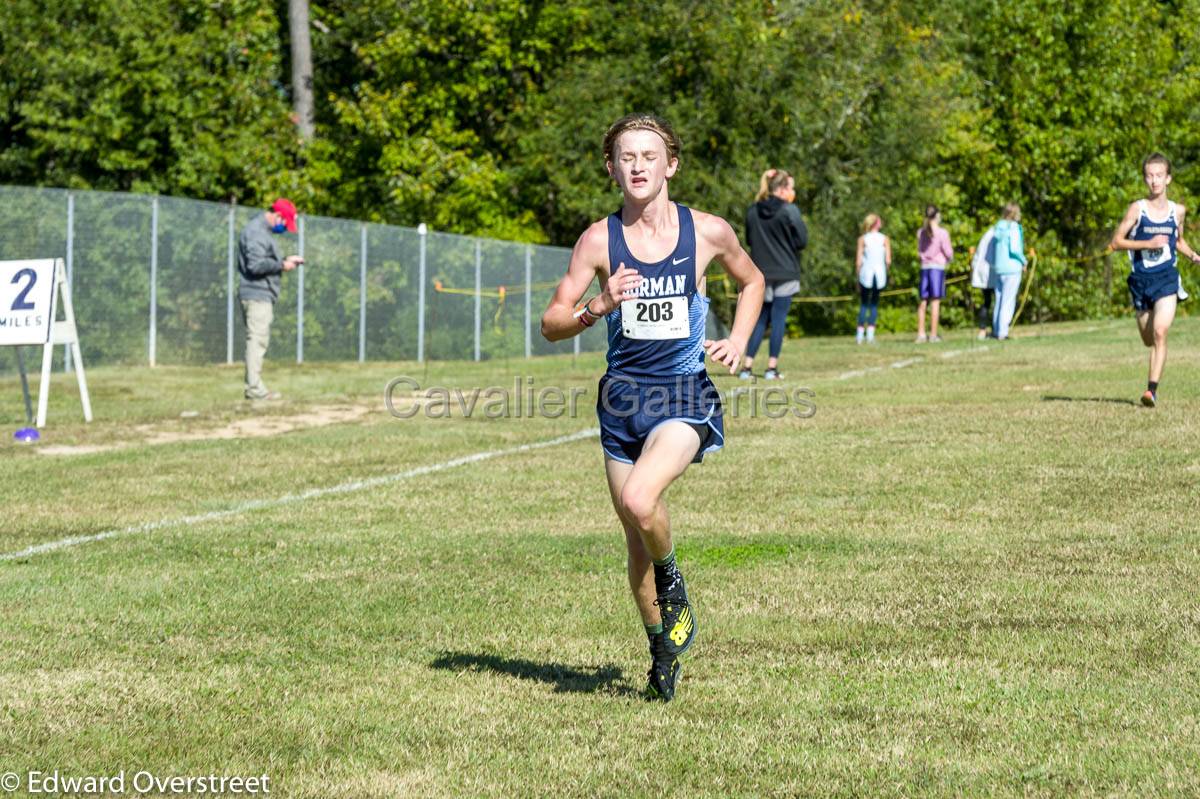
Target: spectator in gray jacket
<point>260,263</point>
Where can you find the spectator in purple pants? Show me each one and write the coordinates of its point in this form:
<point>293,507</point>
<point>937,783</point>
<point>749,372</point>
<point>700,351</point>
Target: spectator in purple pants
<point>935,250</point>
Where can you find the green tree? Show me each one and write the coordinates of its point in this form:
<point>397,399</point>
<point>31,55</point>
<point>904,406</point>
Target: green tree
<point>419,96</point>
<point>144,96</point>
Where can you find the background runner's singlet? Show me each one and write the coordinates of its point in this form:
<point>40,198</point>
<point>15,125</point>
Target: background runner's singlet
<point>661,332</point>
<point>1145,229</point>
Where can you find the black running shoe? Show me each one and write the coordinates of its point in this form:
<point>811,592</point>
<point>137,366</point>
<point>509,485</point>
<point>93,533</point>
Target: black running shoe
<point>664,672</point>
<point>678,619</point>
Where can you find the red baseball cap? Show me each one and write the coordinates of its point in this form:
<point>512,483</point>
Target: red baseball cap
<point>284,208</point>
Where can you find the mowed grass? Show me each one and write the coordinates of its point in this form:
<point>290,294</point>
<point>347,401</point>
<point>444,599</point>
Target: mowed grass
<point>972,574</point>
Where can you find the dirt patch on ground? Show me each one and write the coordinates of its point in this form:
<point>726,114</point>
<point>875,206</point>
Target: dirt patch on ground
<point>195,430</point>
<point>257,426</point>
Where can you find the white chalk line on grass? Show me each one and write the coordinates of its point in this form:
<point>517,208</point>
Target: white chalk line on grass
<point>956,353</point>
<point>904,363</point>
<point>860,372</point>
<point>289,499</point>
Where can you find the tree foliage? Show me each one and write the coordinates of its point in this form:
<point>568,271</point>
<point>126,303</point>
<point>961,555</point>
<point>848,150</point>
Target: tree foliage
<point>144,96</point>
<point>486,117</point>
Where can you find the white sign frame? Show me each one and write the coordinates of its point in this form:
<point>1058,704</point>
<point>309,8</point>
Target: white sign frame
<point>57,331</point>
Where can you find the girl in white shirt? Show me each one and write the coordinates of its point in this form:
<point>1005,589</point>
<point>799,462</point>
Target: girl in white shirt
<point>871,263</point>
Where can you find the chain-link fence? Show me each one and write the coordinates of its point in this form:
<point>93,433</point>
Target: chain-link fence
<point>154,281</point>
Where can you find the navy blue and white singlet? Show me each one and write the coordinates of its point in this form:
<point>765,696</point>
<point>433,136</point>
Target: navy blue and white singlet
<point>1144,229</point>
<point>673,276</point>
<point>1153,273</point>
<point>655,380</point>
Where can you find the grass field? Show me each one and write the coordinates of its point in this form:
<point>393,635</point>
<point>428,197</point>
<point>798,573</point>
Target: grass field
<point>972,574</point>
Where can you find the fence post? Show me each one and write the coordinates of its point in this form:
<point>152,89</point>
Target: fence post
<point>362,295</point>
<point>478,288</point>
<point>422,231</point>
<point>229,292</point>
<point>528,300</point>
<point>153,346</point>
<point>300,298</point>
<point>70,264</point>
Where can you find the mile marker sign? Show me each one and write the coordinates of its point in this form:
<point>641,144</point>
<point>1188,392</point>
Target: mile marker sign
<point>30,292</point>
<point>26,301</point>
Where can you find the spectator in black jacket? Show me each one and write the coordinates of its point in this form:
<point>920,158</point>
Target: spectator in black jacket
<point>776,235</point>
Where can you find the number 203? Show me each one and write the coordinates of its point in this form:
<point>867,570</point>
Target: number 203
<point>653,312</point>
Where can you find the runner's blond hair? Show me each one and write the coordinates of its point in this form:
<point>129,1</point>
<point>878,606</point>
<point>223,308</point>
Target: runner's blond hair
<point>641,122</point>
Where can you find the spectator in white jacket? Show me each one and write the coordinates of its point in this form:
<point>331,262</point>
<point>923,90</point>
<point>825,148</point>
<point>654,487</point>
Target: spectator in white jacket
<point>981,278</point>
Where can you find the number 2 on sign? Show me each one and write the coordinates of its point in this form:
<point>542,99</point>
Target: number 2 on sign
<point>20,303</point>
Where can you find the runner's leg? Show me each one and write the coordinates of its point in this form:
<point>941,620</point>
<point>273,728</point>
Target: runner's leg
<point>668,452</point>
<point>1163,316</point>
<point>1145,323</point>
<point>639,566</point>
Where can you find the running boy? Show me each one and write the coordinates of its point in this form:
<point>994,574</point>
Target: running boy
<point>658,410</point>
<point>1152,232</point>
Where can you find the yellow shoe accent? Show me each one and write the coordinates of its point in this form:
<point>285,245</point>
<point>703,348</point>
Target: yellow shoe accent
<point>682,628</point>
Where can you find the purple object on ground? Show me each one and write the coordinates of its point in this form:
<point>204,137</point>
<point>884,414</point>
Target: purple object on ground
<point>26,434</point>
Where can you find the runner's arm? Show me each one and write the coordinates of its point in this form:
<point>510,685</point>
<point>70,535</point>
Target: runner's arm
<point>858,257</point>
<point>1182,245</point>
<point>751,285</point>
<point>589,261</point>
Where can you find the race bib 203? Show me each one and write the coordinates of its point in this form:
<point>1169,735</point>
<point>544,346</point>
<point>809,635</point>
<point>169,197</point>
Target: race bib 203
<point>657,318</point>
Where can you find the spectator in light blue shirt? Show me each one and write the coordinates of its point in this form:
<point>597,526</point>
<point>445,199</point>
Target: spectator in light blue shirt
<point>1008,264</point>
